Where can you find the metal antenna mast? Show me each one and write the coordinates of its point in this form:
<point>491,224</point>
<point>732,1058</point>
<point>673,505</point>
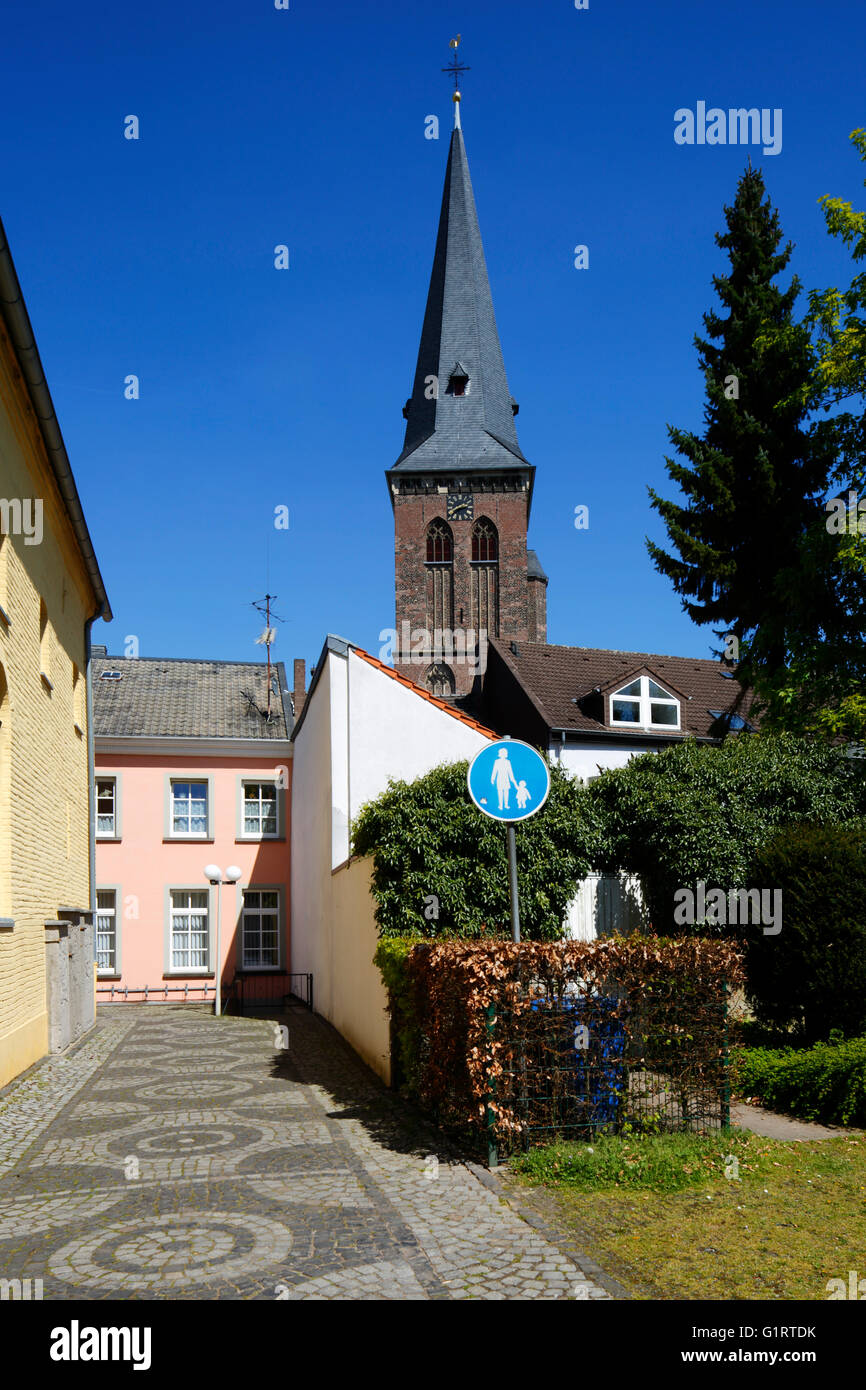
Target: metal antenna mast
<point>269,634</point>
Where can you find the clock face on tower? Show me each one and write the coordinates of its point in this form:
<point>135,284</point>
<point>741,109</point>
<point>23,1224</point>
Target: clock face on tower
<point>461,506</point>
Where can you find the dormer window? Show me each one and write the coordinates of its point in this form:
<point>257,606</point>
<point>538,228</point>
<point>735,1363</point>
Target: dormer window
<point>643,704</point>
<point>458,380</point>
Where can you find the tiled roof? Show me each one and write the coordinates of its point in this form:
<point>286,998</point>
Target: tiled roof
<point>159,697</point>
<point>475,430</point>
<point>563,684</point>
<point>425,695</point>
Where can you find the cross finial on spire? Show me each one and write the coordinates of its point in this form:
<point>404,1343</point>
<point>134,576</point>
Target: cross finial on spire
<point>455,67</point>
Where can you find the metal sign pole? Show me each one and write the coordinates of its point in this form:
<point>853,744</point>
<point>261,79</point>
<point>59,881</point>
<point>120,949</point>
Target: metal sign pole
<point>218,988</point>
<point>512,768</point>
<point>512,881</point>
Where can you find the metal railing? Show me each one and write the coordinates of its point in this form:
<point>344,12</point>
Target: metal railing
<point>152,993</point>
<point>246,991</point>
<point>252,990</point>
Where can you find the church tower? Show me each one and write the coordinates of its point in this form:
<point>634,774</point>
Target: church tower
<point>461,489</point>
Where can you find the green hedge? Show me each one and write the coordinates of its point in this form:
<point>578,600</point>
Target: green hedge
<point>695,813</point>
<point>826,1082</point>
<point>390,956</point>
<point>812,975</point>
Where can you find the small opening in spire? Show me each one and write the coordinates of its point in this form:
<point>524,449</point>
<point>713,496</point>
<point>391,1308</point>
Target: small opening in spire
<point>458,380</point>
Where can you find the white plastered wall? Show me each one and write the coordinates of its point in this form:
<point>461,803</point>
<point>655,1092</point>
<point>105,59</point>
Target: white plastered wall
<point>360,728</point>
<point>603,903</point>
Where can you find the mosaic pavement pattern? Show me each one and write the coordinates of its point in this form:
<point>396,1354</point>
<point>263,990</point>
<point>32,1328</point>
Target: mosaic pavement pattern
<point>175,1155</point>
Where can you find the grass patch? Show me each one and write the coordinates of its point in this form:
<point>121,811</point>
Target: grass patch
<point>660,1216</point>
<point>663,1163</point>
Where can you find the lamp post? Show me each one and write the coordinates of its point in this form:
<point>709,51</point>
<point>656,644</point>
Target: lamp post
<point>215,877</point>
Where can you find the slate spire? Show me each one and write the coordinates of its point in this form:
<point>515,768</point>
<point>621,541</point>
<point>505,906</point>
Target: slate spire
<point>469,424</point>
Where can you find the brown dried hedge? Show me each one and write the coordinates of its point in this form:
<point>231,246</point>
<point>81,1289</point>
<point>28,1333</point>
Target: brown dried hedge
<point>668,999</point>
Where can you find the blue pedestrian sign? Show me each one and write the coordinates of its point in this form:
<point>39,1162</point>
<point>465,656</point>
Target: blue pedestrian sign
<point>508,780</point>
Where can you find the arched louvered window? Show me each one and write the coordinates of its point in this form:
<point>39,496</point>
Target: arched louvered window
<point>485,577</point>
<point>440,576</point>
<point>440,679</point>
<point>485,542</point>
<point>440,543</point>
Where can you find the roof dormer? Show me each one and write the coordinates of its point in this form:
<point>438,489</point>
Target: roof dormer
<point>642,702</point>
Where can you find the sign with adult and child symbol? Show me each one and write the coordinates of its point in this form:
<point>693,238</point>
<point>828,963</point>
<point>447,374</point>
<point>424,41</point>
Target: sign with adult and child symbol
<point>508,780</point>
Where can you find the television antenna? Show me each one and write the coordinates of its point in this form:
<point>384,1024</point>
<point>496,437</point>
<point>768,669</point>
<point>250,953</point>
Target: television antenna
<point>268,634</point>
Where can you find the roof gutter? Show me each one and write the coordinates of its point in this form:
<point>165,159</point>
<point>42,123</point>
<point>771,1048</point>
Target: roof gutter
<point>17,322</point>
<point>635,736</point>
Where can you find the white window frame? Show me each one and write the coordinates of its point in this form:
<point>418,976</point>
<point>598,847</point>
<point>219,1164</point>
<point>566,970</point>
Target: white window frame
<point>644,701</point>
<point>261,888</point>
<point>200,779</point>
<point>280,798</point>
<point>111,972</point>
<point>107,777</point>
<point>186,911</point>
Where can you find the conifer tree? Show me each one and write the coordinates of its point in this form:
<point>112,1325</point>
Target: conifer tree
<point>751,552</point>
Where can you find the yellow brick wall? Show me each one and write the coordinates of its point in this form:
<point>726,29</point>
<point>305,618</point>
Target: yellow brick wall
<point>43,759</point>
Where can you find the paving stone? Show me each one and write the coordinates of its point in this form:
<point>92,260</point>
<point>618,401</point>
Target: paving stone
<point>174,1155</point>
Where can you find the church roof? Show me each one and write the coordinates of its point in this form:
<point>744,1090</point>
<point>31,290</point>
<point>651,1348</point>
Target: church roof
<point>469,424</point>
<point>534,568</point>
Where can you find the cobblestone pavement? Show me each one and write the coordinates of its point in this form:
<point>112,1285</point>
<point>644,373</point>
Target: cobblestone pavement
<point>176,1155</point>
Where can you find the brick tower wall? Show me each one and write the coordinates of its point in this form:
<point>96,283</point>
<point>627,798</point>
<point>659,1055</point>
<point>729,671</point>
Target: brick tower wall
<point>537,607</point>
<point>413,513</point>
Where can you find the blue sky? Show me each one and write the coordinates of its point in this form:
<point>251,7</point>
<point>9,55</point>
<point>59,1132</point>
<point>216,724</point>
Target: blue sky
<point>261,388</point>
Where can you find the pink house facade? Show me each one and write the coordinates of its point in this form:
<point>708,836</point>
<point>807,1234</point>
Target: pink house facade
<point>192,768</point>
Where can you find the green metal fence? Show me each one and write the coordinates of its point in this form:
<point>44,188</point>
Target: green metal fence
<point>525,1044</point>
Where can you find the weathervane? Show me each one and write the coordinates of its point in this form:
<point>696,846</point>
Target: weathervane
<point>456,68</point>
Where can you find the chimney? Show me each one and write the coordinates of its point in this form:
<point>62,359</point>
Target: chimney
<point>299,686</point>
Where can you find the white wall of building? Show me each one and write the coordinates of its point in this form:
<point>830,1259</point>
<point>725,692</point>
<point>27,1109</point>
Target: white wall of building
<point>358,1000</point>
<point>396,732</point>
<point>585,761</point>
<point>360,727</point>
<point>603,903</point>
<point>311,822</point>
